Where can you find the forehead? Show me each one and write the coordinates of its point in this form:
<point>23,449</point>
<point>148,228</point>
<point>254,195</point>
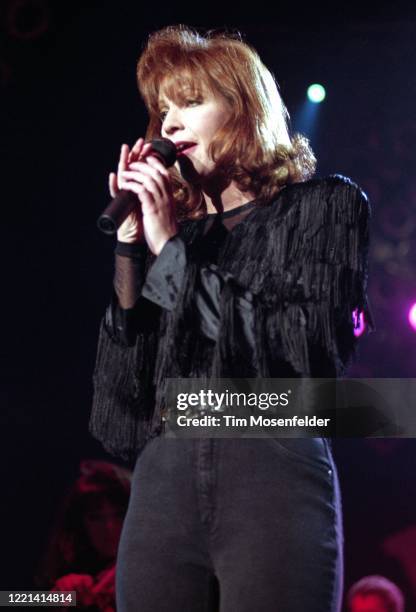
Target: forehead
<point>176,88</point>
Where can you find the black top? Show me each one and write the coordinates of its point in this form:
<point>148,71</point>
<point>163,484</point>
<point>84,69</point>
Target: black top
<point>214,229</point>
<point>256,291</point>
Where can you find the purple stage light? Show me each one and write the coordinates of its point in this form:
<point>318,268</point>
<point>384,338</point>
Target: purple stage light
<point>412,316</point>
<point>359,322</point>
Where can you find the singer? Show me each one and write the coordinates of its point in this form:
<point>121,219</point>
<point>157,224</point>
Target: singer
<point>234,263</point>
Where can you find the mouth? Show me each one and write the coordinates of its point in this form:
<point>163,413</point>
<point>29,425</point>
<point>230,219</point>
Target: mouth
<point>184,147</point>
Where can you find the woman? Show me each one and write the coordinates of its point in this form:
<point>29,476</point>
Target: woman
<point>83,543</point>
<point>237,265</point>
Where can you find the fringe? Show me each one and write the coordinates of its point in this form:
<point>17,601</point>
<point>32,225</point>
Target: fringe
<point>123,399</point>
<point>293,272</point>
<point>309,280</point>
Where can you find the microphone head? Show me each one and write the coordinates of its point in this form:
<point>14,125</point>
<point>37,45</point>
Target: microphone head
<point>165,149</point>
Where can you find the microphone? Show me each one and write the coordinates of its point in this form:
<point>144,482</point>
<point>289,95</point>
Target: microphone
<point>125,201</point>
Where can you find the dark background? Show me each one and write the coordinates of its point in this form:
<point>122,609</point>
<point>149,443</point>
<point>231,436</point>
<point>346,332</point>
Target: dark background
<point>69,99</point>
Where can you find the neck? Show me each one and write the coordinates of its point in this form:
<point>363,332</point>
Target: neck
<point>220,199</point>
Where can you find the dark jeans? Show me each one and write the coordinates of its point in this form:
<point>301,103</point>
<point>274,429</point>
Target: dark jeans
<point>236,525</point>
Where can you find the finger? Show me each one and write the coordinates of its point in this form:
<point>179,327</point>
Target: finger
<point>156,170</point>
<point>162,177</point>
<point>142,169</point>
<point>112,184</point>
<point>136,148</point>
<point>139,148</point>
<point>151,184</point>
<point>124,153</point>
<point>122,164</point>
<point>140,152</point>
<point>147,147</point>
<point>145,197</point>
<point>156,163</point>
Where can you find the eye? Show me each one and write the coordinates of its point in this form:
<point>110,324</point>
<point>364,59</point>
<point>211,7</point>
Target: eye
<point>188,102</point>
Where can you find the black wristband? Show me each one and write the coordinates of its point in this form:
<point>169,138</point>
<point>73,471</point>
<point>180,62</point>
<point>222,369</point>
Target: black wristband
<point>131,249</point>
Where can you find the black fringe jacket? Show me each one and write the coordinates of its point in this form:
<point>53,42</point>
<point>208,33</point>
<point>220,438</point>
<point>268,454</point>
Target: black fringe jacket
<point>278,303</point>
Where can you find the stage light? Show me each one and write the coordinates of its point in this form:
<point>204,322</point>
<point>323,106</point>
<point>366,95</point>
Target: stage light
<point>316,93</point>
<point>412,316</point>
<point>359,323</point>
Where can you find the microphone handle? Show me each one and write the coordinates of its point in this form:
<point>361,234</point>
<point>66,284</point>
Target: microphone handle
<point>117,211</point>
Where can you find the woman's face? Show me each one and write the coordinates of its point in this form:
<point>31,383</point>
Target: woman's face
<point>196,120</point>
<point>103,525</point>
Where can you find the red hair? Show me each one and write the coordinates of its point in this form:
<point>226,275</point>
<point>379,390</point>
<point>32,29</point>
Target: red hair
<point>253,147</point>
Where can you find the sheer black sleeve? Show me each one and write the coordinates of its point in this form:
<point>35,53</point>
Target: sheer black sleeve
<point>123,379</point>
<point>128,313</point>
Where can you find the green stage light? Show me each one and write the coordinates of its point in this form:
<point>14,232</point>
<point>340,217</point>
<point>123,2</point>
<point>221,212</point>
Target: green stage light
<point>316,93</point>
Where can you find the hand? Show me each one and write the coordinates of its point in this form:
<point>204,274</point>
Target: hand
<point>151,182</point>
<point>81,583</point>
<point>131,230</point>
<point>104,590</point>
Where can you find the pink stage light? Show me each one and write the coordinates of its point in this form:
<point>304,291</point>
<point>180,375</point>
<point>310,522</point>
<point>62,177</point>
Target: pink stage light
<point>359,322</point>
<point>412,316</point>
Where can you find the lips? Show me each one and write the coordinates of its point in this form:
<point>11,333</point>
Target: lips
<point>186,151</point>
<point>184,146</point>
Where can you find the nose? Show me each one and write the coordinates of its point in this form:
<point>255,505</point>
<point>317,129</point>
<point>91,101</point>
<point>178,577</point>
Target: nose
<point>172,122</point>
